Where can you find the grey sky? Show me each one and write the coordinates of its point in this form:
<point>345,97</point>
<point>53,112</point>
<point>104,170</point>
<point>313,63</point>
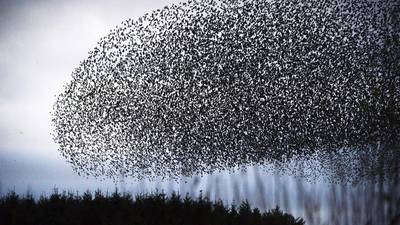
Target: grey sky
<point>41,42</point>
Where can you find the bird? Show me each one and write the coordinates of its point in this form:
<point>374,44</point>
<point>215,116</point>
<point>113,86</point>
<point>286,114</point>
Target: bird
<point>230,83</point>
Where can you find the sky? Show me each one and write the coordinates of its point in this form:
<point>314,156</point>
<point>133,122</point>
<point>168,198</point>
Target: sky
<point>41,42</point>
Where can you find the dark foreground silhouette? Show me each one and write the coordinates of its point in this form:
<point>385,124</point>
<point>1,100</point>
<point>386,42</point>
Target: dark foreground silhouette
<point>157,209</point>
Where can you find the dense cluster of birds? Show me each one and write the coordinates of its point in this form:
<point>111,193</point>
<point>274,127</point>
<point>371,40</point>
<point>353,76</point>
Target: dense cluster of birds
<point>208,85</point>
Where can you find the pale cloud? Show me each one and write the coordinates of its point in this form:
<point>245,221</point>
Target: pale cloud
<point>40,45</point>
<point>41,42</point>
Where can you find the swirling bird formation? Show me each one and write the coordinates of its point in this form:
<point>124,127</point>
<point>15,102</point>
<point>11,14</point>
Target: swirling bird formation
<point>213,84</point>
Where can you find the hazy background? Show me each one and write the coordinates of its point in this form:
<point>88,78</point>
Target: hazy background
<point>41,42</point>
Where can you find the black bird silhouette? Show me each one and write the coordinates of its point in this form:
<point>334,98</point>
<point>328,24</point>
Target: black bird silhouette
<point>208,85</point>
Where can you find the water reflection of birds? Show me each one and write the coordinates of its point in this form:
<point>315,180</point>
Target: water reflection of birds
<point>206,85</point>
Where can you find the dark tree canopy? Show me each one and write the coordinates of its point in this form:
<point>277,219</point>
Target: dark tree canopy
<point>124,209</point>
<point>208,85</point>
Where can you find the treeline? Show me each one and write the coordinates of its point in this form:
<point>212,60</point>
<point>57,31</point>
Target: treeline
<point>116,208</point>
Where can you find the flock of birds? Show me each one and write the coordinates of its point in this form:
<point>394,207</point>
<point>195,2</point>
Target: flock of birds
<point>208,85</point>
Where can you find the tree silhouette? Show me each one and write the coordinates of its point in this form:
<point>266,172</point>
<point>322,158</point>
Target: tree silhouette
<point>121,209</point>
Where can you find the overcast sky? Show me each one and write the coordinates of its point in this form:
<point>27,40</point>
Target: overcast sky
<point>41,42</point>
